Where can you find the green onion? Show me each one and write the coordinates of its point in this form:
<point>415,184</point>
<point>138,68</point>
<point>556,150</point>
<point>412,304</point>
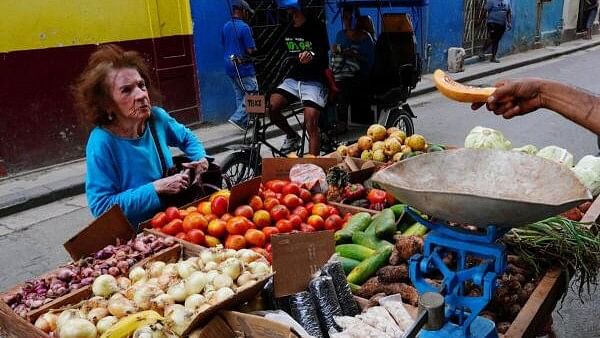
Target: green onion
<point>573,245</point>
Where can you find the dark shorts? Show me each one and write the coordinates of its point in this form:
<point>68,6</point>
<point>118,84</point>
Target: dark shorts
<point>495,31</point>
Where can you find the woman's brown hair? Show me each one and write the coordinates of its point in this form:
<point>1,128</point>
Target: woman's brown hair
<point>92,91</point>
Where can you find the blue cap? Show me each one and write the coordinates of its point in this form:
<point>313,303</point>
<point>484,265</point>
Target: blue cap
<point>283,4</point>
<point>241,4</point>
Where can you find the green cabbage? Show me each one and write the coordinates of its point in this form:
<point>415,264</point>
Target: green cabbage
<point>481,137</point>
<point>528,149</point>
<point>557,154</point>
<point>588,172</point>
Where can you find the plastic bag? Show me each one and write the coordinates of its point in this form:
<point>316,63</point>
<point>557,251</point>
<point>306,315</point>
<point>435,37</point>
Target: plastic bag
<point>587,171</point>
<point>379,318</point>
<point>486,138</point>
<point>304,311</point>
<point>284,318</point>
<point>323,292</point>
<point>557,154</point>
<point>393,304</point>
<point>309,175</point>
<point>356,328</point>
<point>335,270</point>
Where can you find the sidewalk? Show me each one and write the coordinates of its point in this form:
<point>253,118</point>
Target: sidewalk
<point>30,189</point>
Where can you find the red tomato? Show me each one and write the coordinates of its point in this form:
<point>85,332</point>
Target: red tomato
<point>270,202</point>
<point>276,185</point>
<point>283,225</point>
<point>173,227</point>
<point>376,196</point>
<point>296,221</point>
<point>172,213</point>
<point>390,199</point>
<point>244,210</point>
<point>305,195</point>
<point>279,212</point>
<point>292,201</point>
<point>196,236</point>
<point>309,207</point>
<point>316,221</point>
<point>159,220</point>
<point>302,212</point>
<point>333,222</point>
<point>219,205</point>
<point>347,216</point>
<point>307,228</point>
<point>268,231</point>
<point>319,198</point>
<point>255,238</point>
<point>291,188</point>
<point>333,210</point>
<point>183,236</point>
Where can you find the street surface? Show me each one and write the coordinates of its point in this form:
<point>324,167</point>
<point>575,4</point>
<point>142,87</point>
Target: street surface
<point>31,241</point>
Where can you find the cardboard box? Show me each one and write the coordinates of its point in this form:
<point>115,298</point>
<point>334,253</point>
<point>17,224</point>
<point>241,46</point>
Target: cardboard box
<point>230,324</point>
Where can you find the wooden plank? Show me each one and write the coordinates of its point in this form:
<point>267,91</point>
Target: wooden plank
<point>539,306</point>
<point>593,213</point>
<point>12,325</point>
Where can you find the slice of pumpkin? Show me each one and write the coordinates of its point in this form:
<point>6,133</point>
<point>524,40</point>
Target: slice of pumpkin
<point>459,92</point>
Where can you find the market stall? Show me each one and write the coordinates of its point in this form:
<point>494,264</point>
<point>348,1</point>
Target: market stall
<point>409,238</point>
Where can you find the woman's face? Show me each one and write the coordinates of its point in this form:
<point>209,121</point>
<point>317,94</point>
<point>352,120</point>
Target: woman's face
<point>129,94</point>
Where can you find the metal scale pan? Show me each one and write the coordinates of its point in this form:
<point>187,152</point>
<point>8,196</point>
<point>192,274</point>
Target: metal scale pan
<point>484,187</point>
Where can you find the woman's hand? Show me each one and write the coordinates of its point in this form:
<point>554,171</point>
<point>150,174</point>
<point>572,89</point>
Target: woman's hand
<point>172,184</point>
<point>513,98</point>
<point>199,167</point>
<point>305,57</point>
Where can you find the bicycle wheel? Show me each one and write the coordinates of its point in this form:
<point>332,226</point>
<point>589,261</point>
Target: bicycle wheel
<point>400,119</point>
<point>239,167</point>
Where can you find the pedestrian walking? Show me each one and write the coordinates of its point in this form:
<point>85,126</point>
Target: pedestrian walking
<point>237,41</point>
<point>499,19</point>
<point>591,11</point>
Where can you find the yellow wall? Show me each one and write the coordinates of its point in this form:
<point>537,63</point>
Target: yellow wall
<point>36,24</point>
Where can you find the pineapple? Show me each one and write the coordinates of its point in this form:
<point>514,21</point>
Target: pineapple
<point>337,180</point>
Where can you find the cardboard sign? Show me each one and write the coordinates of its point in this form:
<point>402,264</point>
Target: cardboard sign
<point>256,326</point>
<point>241,193</point>
<point>297,256</point>
<point>101,232</point>
<point>255,104</point>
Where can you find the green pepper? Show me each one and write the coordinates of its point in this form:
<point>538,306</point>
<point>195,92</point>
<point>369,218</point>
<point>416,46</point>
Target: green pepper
<point>384,223</point>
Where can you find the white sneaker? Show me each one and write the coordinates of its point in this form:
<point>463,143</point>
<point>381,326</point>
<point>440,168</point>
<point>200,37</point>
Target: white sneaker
<point>290,144</point>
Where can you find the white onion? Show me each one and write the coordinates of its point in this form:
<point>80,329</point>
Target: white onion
<point>194,262</point>
<point>228,253</point>
<point>193,302</point>
<point>170,269</point>
<point>105,286</point>
<point>137,273</point>
<point>211,275</point>
<point>119,306</point>
<point>106,323</point>
<point>259,269</point>
<point>46,322</point>
<point>77,328</point>
<point>156,268</point>
<point>232,267</point>
<point>150,331</point>
<point>123,282</point>
<point>177,317</point>
<point>178,291</point>
<point>209,295</point>
<point>207,256</point>
<point>143,295</point>
<point>196,282</point>
<point>245,278</point>
<point>222,281</point>
<point>96,314</point>
<point>210,266</point>
<point>223,293</point>
<point>185,269</point>
<point>67,315</point>
<point>248,256</point>
<point>93,303</point>
<point>159,303</point>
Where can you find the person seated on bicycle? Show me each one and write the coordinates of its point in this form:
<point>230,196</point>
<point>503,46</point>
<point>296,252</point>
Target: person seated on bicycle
<point>353,55</point>
<point>307,42</point>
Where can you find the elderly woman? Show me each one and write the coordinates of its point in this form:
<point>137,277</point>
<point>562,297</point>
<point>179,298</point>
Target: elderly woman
<point>125,165</point>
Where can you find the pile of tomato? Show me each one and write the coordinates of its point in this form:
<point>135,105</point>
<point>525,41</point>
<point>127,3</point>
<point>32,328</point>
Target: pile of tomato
<point>279,207</point>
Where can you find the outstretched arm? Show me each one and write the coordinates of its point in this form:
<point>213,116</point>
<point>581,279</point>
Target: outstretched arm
<point>519,97</point>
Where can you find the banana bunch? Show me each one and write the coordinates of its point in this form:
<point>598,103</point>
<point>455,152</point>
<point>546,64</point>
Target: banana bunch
<point>459,92</point>
<point>127,325</point>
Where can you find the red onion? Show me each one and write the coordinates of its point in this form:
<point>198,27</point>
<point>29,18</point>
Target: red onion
<point>113,270</point>
<point>87,281</point>
<point>87,272</point>
<point>65,274</point>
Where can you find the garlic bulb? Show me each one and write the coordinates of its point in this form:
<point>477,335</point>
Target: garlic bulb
<point>245,278</point>
<point>222,281</point>
<point>178,318</point>
<point>159,303</point>
<point>178,291</point>
<point>143,295</point>
<point>210,266</point>
<point>195,282</point>
<point>185,269</point>
<point>222,294</point>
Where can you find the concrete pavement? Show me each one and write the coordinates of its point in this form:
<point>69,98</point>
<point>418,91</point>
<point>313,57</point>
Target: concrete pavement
<point>30,189</point>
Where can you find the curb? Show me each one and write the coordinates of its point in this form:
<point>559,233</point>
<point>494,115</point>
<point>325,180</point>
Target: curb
<point>35,197</point>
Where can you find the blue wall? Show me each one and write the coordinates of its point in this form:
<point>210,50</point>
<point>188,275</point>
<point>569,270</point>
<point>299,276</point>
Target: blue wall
<point>216,92</point>
<point>446,29</point>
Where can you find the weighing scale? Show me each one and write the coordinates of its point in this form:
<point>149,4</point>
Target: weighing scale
<point>493,190</point>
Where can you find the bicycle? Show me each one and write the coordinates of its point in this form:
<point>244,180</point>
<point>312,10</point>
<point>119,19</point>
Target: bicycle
<point>246,160</point>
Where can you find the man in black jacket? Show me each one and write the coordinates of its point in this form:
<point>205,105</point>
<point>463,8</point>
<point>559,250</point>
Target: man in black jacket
<point>306,41</point>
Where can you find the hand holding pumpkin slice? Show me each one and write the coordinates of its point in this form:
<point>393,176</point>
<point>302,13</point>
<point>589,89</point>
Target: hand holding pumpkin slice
<point>459,92</point>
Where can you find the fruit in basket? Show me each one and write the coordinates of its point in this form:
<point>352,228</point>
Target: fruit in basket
<point>237,225</point>
<point>397,157</point>
<point>399,134</point>
<point>342,150</point>
<point>291,201</point>
<point>353,150</point>
<point>378,145</point>
<point>321,209</point>
<point>405,149</point>
<point>172,213</point>
<point>211,241</point>
<point>284,226</point>
<point>244,210</point>
<point>291,188</point>
<point>235,242</point>
<point>219,205</point>
<point>262,219</point>
<point>416,142</point>
<point>217,228</point>
<point>196,236</point>
<point>377,132</point>
<point>223,192</point>
<point>279,212</point>
<point>194,221</point>
<point>173,227</point>
<point>269,231</point>
<point>255,202</point>
<point>204,208</point>
<point>316,222</point>
<point>379,155</point>
<point>366,155</point>
<point>390,130</point>
<point>365,143</point>
<point>159,220</point>
<point>255,238</point>
<point>392,146</point>
<point>337,179</point>
<point>354,192</point>
<point>459,92</point>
